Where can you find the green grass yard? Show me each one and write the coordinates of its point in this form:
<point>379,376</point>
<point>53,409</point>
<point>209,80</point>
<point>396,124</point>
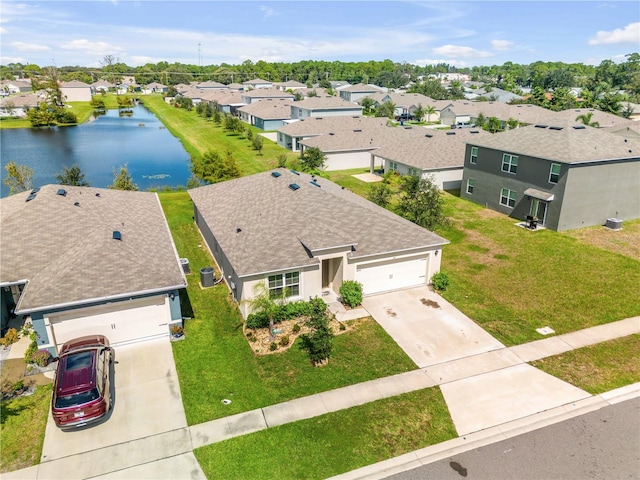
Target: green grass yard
<point>331,444</point>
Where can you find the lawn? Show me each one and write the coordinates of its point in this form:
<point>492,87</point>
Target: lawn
<point>199,135</point>
<point>215,362</point>
<point>511,280</point>
<point>597,368</point>
<point>22,424</point>
<point>335,443</point>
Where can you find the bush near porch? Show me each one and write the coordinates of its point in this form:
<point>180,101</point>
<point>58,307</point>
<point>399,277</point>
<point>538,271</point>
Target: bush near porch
<point>215,362</point>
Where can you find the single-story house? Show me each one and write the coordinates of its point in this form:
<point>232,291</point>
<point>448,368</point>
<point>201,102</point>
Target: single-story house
<point>211,85</point>
<point>603,119</point>
<point>101,86</point>
<point>19,105</point>
<point>262,93</point>
<point>289,85</point>
<point>352,93</point>
<point>290,135</point>
<point>267,114</point>
<point>10,87</point>
<point>268,228</point>
<point>567,176</point>
<point>83,260</point>
<point>154,87</point>
<point>324,107</point>
<point>75,91</point>
<point>257,83</point>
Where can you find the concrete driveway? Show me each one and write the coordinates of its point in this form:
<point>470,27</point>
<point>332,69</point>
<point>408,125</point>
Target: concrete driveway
<point>147,405</point>
<point>427,327</point>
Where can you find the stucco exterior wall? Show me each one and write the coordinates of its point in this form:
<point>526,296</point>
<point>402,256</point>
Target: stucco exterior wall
<point>76,94</point>
<point>345,161</point>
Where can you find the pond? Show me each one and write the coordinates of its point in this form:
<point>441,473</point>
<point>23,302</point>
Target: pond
<point>154,157</point>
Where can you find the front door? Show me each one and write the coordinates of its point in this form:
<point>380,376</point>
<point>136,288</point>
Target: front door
<point>539,210</point>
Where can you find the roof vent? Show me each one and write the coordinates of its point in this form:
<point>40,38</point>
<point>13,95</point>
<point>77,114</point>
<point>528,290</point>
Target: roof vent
<point>541,126</point>
<point>97,194</point>
<point>319,118</point>
<point>294,186</point>
<point>117,235</point>
<point>555,128</point>
<point>62,192</point>
<point>238,230</point>
<point>275,174</point>
<point>30,197</point>
<point>294,172</point>
<point>474,131</point>
<point>358,130</point>
<point>428,135</point>
<point>578,127</point>
<point>76,204</point>
<point>451,133</point>
<point>315,184</point>
<point>408,128</point>
<point>331,133</point>
<point>35,190</point>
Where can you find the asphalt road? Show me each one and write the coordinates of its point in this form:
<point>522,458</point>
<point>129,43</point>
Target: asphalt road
<point>604,444</point>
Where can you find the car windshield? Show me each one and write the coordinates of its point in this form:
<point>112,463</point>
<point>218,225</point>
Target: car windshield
<point>77,398</point>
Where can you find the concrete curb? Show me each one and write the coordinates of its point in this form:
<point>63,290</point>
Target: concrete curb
<point>491,435</point>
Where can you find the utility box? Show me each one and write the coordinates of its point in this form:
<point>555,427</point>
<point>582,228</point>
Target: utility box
<point>207,277</point>
<point>185,265</point>
<point>614,224</point>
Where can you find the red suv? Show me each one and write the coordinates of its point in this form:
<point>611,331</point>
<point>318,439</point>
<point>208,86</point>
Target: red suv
<point>81,392</point>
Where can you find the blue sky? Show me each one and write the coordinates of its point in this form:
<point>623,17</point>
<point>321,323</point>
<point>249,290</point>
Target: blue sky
<point>209,32</point>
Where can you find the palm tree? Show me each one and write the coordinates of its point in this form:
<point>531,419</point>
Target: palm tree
<point>263,301</point>
<point>419,112</point>
<point>585,118</point>
<point>429,110</point>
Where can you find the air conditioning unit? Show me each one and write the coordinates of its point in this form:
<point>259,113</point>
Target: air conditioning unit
<point>614,224</point>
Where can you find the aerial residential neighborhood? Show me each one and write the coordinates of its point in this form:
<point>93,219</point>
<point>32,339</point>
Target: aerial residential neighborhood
<point>295,258</point>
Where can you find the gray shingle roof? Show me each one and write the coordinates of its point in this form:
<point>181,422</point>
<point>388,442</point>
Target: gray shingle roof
<point>67,252</point>
<point>565,144</point>
<point>321,125</point>
<point>277,224</point>
<point>329,102</point>
<point>362,88</point>
<point>274,109</point>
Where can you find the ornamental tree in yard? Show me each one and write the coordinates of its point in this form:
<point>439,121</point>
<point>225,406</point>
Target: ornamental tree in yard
<point>319,343</point>
<point>421,202</point>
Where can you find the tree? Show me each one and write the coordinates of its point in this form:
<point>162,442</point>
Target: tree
<point>72,176</point>
<point>265,302</point>
<point>233,124</point>
<point>282,160</point>
<point>380,194</point>
<point>418,113</point>
<point>42,116</point>
<point>319,343</point>
<point>19,177</point>
<point>122,180</point>
<point>367,103</point>
<point>313,159</point>
<point>249,134</point>
<point>493,125</point>
<point>429,110</point>
<point>421,202</point>
<point>258,142</point>
<point>387,109</point>
<point>512,123</point>
<point>585,119</point>
<point>213,168</point>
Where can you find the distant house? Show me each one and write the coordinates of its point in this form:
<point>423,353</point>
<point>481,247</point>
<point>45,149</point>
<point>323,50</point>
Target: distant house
<point>267,114</point>
<point>9,87</point>
<point>154,87</point>
<point>323,107</point>
<point>407,103</point>
<point>211,85</point>
<point>83,260</point>
<point>262,93</point>
<point>352,93</point>
<point>75,91</point>
<point>257,83</point>
<point>260,228</point>
<point>19,105</point>
<point>101,86</point>
<point>289,85</point>
<point>567,177</point>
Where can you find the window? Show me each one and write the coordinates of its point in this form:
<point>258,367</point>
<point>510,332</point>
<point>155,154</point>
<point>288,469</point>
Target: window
<point>290,281</point>
<point>393,166</point>
<point>470,183</point>
<point>508,198</point>
<point>554,173</point>
<point>509,163</point>
<point>474,155</point>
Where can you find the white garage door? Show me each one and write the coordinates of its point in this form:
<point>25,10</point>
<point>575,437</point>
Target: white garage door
<point>390,275</point>
<point>121,322</point>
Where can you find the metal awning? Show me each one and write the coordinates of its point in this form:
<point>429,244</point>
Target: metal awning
<point>539,194</point>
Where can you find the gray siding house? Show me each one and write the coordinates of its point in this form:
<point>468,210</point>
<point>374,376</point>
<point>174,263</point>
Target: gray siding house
<point>568,177</point>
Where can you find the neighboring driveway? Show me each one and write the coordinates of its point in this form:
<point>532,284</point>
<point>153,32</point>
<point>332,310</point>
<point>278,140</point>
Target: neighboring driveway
<point>147,422</point>
<point>427,327</point>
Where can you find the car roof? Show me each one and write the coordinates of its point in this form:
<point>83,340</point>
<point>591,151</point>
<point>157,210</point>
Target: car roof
<point>76,372</point>
<point>87,341</point>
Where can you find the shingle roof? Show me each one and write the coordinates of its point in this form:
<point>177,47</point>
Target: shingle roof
<point>566,144</point>
<point>23,100</point>
<point>360,87</point>
<point>74,84</point>
<point>604,119</point>
<point>321,103</point>
<point>67,252</point>
<point>256,81</point>
<point>321,125</point>
<point>267,92</point>
<point>274,109</point>
<point>262,225</point>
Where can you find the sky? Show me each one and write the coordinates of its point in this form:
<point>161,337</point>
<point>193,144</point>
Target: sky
<point>199,32</point>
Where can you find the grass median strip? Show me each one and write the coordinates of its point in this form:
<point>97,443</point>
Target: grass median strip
<point>597,368</point>
<point>215,362</point>
<point>22,425</point>
<point>334,443</point>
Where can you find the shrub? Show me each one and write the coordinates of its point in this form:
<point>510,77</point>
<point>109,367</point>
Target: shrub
<point>282,160</point>
<point>351,292</point>
<point>273,347</point>
<point>258,320</point>
<point>440,281</point>
<point>319,343</point>
<point>284,341</point>
<point>296,328</point>
<point>31,349</point>
<point>19,385</point>
<point>177,330</point>
<point>342,326</point>
<point>9,338</point>
<point>42,358</point>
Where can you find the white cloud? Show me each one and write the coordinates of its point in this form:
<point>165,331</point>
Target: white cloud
<point>502,44</point>
<point>29,47</point>
<point>91,48</point>
<point>268,11</point>
<point>628,34</point>
<point>463,52</point>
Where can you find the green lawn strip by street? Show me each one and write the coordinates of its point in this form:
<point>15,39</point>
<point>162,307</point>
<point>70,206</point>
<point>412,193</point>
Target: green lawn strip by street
<point>22,425</point>
<point>199,135</point>
<point>597,368</point>
<point>334,443</point>
<point>215,362</point>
